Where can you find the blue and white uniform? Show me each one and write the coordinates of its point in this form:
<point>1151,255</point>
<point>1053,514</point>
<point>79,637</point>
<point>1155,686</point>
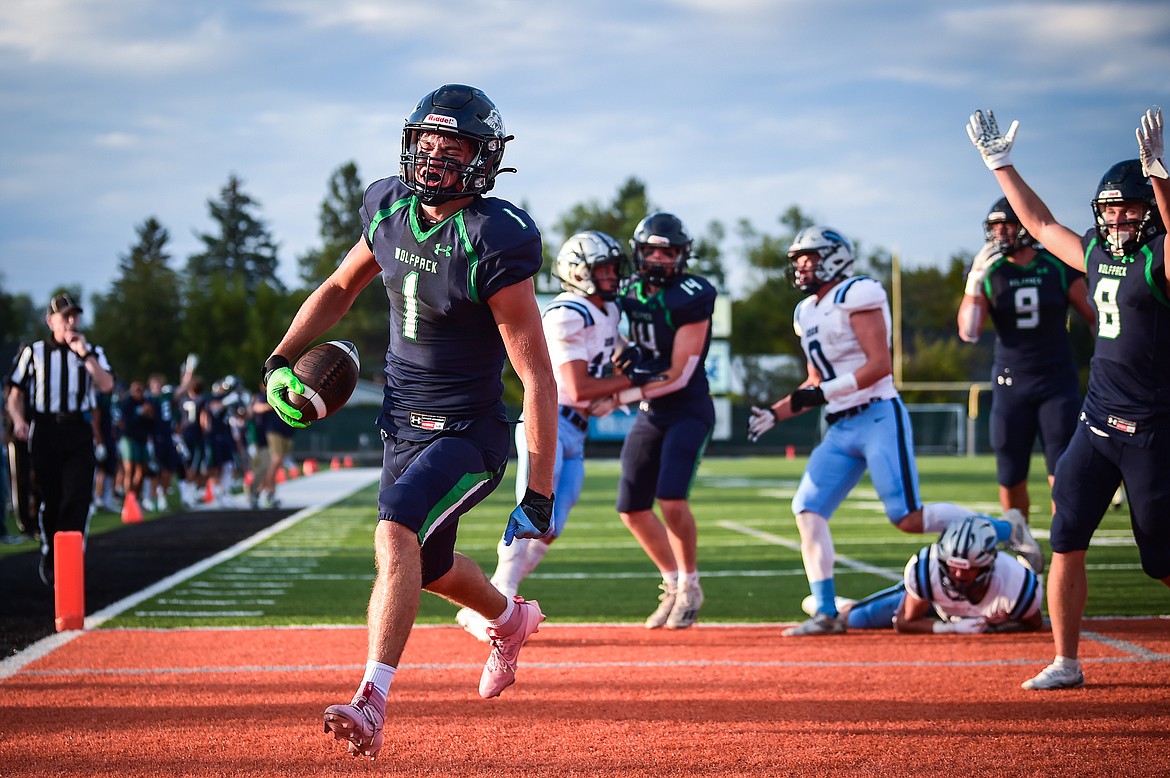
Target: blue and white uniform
<point>443,418</point>
<point>1014,593</point>
<point>868,428</point>
<point>575,330</point>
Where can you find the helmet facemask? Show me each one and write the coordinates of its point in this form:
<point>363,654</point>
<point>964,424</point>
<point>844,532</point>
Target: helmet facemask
<point>967,544</point>
<point>582,262</point>
<point>833,258</point>
<point>1122,237</point>
<point>1126,184</point>
<point>661,231</point>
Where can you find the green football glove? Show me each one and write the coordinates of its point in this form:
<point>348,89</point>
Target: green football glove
<point>279,379</point>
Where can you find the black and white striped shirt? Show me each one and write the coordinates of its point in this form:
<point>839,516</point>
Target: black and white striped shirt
<point>54,378</point>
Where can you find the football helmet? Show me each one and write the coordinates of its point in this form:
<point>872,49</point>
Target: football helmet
<point>580,257</point>
<point>967,544</point>
<point>1000,213</point>
<point>835,258</point>
<point>464,112</point>
<point>1125,183</point>
<point>660,230</point>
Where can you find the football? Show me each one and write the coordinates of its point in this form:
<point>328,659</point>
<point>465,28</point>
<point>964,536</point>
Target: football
<point>329,372</point>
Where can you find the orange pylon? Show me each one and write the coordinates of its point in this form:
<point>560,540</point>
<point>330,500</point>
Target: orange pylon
<point>131,510</point>
<point>69,585</point>
<point>209,494</point>
<point>335,464</point>
<point>281,476</point>
<point>294,471</point>
<point>348,461</point>
<point>310,466</point>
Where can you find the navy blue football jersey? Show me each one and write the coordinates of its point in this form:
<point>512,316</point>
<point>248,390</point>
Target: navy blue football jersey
<point>655,318</point>
<point>1029,307</point>
<point>1129,377</point>
<point>446,357</point>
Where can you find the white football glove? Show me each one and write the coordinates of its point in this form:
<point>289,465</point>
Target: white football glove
<point>762,420</point>
<point>979,267</point>
<point>1150,147</point>
<point>994,147</point>
<point>970,626</point>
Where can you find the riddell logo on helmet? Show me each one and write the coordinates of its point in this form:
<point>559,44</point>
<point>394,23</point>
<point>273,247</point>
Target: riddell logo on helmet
<point>1109,194</point>
<point>446,121</point>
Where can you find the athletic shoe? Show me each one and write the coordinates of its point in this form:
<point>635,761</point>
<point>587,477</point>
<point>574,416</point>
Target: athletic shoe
<point>359,722</point>
<point>1054,677</point>
<point>664,609</point>
<point>809,604</point>
<point>820,624</point>
<point>1022,542</point>
<point>687,601</point>
<point>475,624</point>
<point>500,671</point>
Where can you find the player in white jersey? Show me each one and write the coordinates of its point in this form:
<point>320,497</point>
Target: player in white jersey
<point>581,328</point>
<point>961,584</point>
<point>844,329</point>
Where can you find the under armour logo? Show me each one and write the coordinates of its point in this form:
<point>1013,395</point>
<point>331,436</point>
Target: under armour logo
<point>444,250</point>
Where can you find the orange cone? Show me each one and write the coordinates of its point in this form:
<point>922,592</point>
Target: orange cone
<point>248,478</point>
<point>294,471</point>
<point>310,466</point>
<point>131,510</point>
<point>335,464</point>
<point>348,461</point>
<point>69,572</point>
<point>281,476</point>
<point>790,452</point>
<point>209,494</point>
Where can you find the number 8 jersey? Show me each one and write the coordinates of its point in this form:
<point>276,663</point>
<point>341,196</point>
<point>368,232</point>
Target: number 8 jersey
<point>1129,376</point>
<point>446,357</point>
<point>829,342</point>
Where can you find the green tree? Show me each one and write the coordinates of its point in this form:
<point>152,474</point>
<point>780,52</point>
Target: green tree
<point>21,321</point>
<point>138,321</point>
<point>341,226</point>
<point>241,253</point>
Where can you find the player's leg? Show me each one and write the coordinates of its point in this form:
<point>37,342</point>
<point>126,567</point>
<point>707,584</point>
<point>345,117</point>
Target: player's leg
<point>1086,478</point>
<point>1013,428</point>
<point>830,475</point>
<point>1057,419</point>
<point>875,611</point>
<point>1144,470</point>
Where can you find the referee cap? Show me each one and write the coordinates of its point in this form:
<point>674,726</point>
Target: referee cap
<point>63,303</point>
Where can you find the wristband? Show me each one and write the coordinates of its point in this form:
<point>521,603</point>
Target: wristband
<point>87,355</point>
<point>631,395</point>
<point>942,627</point>
<point>839,386</point>
<point>274,362</point>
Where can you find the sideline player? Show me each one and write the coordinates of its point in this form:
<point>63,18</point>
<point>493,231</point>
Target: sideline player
<point>581,327</point>
<point>457,267</point>
<point>1124,434</point>
<point>1034,388</point>
<point>844,329</point>
<point>962,583</point>
<point>669,313</point>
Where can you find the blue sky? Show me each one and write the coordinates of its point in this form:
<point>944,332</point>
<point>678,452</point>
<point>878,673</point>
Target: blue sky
<point>118,110</point>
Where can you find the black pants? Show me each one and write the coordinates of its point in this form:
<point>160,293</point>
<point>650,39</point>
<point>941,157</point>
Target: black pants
<point>63,465</point>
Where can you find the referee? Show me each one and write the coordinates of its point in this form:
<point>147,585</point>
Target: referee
<point>58,377</point>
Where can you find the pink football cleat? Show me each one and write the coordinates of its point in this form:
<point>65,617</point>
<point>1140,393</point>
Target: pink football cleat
<point>359,722</point>
<point>500,671</point>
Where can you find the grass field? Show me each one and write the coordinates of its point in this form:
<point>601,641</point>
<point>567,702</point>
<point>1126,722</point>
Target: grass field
<point>317,569</point>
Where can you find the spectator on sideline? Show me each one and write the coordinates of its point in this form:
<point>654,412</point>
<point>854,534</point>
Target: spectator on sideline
<point>57,377</point>
<point>1034,386</point>
<point>1124,434</point>
<point>844,330</point>
<point>457,268</point>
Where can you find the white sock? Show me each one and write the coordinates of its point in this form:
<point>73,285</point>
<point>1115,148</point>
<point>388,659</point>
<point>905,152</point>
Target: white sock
<point>502,619</point>
<point>937,516</point>
<point>1064,661</point>
<point>381,675</point>
<point>688,580</point>
<point>509,568</point>
<point>534,551</point>
<point>816,546</point>
<point>671,580</point>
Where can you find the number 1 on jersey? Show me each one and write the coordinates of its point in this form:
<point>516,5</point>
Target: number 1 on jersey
<point>410,306</point>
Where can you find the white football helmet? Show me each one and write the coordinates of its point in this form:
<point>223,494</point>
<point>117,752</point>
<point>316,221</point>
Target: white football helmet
<point>835,257</point>
<point>579,258</point>
<point>967,544</point>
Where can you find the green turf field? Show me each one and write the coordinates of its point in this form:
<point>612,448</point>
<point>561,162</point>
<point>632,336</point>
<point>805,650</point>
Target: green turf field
<point>318,570</point>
